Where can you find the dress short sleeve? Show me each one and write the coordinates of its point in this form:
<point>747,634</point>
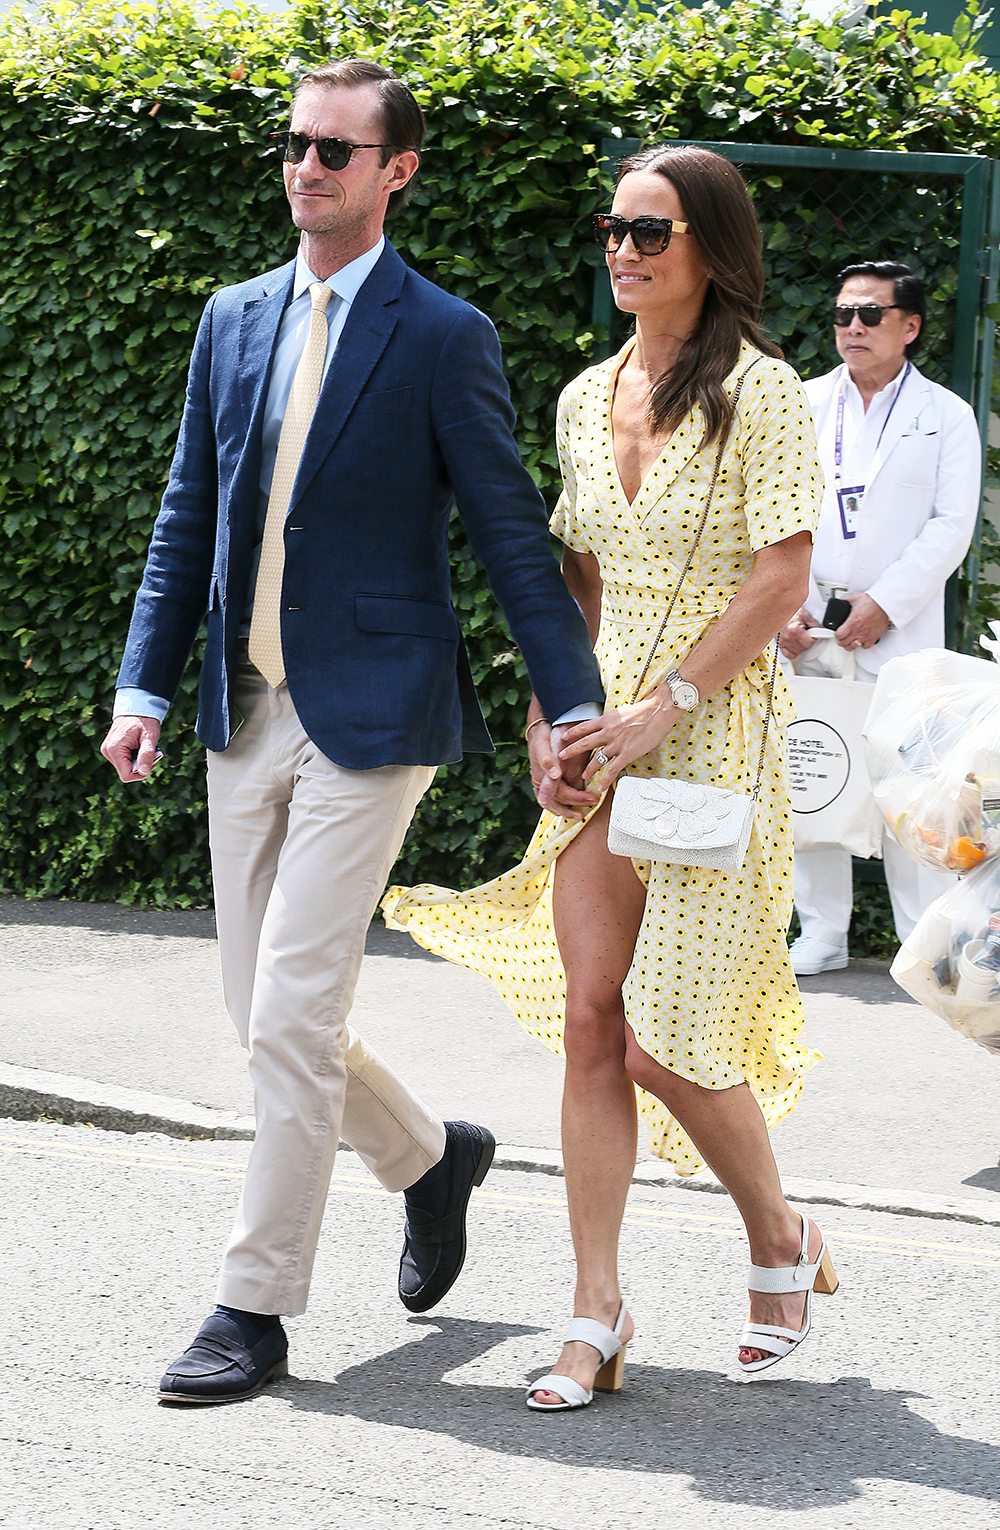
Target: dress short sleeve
<point>777,447</point>
<point>565,523</point>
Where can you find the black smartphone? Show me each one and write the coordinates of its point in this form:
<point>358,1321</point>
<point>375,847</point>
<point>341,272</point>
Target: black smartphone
<point>836,613</point>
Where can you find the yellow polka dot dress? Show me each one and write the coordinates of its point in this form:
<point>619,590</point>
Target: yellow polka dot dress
<point>710,993</point>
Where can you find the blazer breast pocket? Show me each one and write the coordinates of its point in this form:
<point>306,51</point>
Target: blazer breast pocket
<point>387,403</point>
<point>914,462</point>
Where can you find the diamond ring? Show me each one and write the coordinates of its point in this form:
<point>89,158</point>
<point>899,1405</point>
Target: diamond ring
<point>601,757</point>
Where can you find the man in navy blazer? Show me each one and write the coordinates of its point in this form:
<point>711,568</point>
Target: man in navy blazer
<point>315,770</point>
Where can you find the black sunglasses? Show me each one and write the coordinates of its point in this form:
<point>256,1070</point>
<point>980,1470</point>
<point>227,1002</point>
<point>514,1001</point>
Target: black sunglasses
<point>870,314</point>
<point>334,153</point>
<point>649,235</point>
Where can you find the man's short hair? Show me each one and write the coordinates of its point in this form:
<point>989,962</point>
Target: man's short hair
<point>908,290</point>
<point>402,120</point>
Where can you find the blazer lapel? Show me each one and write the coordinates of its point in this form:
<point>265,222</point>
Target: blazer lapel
<point>258,334</point>
<point>365,336</point>
<point>914,397</point>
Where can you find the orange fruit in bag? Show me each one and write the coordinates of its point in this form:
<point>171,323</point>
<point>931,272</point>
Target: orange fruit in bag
<point>965,853</point>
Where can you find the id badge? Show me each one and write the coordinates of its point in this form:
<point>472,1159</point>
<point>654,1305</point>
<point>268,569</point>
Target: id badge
<point>849,501</point>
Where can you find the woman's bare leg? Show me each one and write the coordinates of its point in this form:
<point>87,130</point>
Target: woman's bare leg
<point>598,903</point>
<point>729,1131</point>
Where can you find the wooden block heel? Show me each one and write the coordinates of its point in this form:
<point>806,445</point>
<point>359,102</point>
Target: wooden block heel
<point>608,1343</point>
<point>827,1279</point>
<point>609,1377</point>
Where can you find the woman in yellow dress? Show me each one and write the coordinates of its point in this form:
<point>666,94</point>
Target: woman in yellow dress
<point>662,976</point>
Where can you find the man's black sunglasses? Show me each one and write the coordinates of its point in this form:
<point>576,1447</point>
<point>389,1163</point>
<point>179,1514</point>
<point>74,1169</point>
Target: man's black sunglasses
<point>649,235</point>
<point>870,314</point>
<point>334,153</point>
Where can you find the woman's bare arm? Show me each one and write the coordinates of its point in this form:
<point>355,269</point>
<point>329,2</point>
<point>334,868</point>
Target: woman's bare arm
<point>774,591</point>
<point>582,574</point>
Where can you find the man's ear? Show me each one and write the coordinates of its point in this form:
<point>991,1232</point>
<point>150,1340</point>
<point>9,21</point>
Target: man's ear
<point>404,168</point>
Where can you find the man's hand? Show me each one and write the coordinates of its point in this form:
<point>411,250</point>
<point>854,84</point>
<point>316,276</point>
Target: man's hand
<point>794,638</point>
<point>130,745</point>
<point>865,625</point>
<point>558,784</point>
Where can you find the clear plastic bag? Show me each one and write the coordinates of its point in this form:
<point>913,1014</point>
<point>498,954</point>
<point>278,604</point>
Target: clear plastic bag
<point>933,740</point>
<point>951,962</point>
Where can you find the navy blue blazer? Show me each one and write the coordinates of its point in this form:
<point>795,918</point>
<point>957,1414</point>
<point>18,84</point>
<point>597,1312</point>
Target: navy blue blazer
<point>414,414</point>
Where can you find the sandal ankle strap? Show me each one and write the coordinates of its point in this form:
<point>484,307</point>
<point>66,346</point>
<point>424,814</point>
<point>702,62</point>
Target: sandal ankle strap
<point>787,1278</point>
<point>589,1331</point>
<point>796,1277</point>
<point>607,1341</point>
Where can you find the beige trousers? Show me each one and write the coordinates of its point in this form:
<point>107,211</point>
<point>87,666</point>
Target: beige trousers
<point>301,850</point>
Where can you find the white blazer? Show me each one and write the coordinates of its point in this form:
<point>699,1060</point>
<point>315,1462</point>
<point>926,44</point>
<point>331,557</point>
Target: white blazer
<point>919,511</point>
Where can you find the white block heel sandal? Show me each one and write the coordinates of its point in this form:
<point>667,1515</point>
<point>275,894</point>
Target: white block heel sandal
<point>607,1342</point>
<point>803,1276</point>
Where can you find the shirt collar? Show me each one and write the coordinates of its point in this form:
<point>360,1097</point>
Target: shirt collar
<point>345,283</point>
<point>852,392</point>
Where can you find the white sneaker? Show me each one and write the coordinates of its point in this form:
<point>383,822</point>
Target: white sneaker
<point>809,956</point>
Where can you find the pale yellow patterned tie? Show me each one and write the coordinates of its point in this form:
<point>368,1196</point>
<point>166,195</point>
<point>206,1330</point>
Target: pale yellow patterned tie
<point>265,623</point>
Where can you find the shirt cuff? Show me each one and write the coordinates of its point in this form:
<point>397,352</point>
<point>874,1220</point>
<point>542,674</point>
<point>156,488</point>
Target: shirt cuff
<point>131,702</point>
<point>583,713</point>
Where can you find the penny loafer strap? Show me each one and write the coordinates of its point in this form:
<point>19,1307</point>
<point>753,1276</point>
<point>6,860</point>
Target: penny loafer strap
<point>435,1229</point>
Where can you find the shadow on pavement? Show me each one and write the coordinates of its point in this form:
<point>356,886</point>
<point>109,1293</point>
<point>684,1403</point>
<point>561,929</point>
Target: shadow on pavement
<point>108,918</point>
<point>985,1179</point>
<point>768,1445</point>
<point>865,980</point>
<point>382,942</point>
<point>196,923</point>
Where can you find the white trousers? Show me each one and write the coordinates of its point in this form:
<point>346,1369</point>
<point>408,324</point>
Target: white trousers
<point>301,850</point>
<point>824,894</point>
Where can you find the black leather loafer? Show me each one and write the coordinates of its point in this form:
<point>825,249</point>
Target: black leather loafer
<point>434,1241</point>
<point>219,1368</point>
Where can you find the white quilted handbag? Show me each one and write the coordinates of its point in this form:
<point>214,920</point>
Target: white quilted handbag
<point>687,823</point>
<point>653,819</point>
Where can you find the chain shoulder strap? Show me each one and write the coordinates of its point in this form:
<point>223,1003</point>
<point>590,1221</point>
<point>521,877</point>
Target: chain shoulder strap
<point>723,442</point>
<point>767,721</point>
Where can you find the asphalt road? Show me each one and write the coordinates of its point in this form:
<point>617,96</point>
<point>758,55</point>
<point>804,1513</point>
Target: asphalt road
<point>134,998</point>
<point>888,1417</point>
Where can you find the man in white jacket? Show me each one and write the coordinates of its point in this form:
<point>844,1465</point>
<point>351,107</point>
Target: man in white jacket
<point>903,464</point>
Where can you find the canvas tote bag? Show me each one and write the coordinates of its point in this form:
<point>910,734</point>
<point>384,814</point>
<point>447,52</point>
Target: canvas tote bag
<point>832,803</point>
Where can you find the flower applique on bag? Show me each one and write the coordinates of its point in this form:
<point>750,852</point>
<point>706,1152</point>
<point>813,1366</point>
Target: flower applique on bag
<point>685,822</point>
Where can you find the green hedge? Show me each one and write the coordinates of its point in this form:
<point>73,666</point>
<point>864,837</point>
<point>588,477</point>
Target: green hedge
<point>136,177</point>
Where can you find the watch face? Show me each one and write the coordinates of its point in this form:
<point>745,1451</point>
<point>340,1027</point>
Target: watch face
<point>685,695</point>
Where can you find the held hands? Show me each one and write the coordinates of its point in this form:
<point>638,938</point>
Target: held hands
<point>794,637</point>
<point>865,625</point>
<point>130,745</point>
<point>559,787</point>
<point>622,736</point>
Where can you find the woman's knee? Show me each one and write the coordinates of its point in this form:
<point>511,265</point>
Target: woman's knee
<point>594,1034</point>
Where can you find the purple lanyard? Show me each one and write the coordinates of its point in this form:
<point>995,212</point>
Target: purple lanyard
<point>838,439</point>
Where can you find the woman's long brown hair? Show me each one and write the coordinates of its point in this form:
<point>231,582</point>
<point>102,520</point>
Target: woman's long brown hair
<point>722,219</point>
